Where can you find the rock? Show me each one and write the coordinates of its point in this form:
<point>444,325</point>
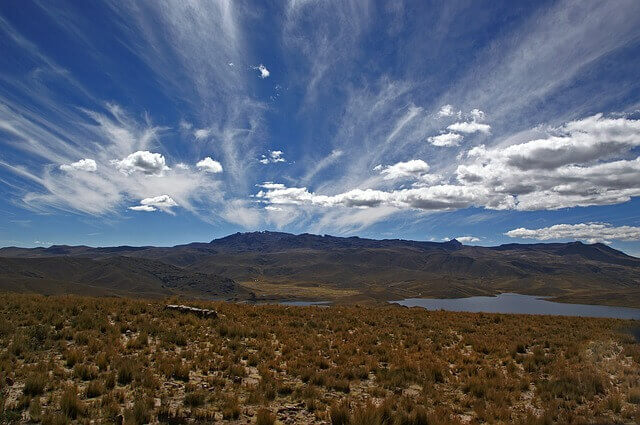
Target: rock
<point>200,312</point>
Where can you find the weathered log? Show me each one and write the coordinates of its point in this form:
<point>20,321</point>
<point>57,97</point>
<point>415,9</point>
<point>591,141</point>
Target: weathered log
<point>200,312</point>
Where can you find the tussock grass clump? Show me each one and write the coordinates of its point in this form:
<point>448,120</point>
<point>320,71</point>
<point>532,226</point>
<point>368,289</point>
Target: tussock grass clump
<point>265,417</point>
<point>94,389</point>
<point>340,413</point>
<point>126,371</point>
<point>72,357</point>
<point>35,384</point>
<point>195,398</point>
<point>231,408</point>
<point>140,413</point>
<point>85,372</point>
<point>70,403</point>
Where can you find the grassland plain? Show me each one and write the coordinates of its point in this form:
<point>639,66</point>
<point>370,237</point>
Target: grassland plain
<point>73,359</point>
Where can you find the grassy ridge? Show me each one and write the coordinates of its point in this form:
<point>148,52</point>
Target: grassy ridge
<point>66,359</point>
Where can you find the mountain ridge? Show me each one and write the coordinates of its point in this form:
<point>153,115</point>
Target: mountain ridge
<point>242,237</point>
<point>284,265</point>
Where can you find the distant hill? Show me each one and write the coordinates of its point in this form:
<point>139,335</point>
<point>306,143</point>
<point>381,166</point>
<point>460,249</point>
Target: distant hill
<point>275,264</point>
<point>115,276</point>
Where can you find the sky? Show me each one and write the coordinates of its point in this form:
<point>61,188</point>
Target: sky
<point>160,123</point>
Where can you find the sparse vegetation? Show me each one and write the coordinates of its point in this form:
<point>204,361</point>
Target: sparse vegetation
<point>104,359</point>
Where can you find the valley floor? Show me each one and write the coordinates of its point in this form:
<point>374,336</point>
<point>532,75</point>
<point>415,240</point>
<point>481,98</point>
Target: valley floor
<point>105,360</point>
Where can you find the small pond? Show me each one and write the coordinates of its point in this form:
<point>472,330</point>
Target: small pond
<point>521,304</point>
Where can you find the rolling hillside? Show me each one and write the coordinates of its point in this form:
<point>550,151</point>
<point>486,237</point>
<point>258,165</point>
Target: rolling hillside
<point>274,264</point>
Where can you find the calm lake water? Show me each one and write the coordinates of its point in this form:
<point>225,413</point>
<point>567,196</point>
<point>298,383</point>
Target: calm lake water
<point>521,304</point>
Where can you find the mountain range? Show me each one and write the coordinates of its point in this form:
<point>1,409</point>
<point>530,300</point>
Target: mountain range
<point>276,265</point>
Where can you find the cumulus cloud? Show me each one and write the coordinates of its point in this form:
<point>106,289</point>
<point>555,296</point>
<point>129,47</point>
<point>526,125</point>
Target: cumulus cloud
<point>478,115</point>
<point>162,202</point>
<point>446,139</point>
<point>202,133</point>
<point>576,142</point>
<point>273,157</point>
<point>142,161</point>
<point>467,239</point>
<point>209,165</point>
<point>264,72</point>
<point>590,232</point>
<point>86,164</point>
<point>446,111</point>
<point>578,172</point>
<point>470,127</point>
<point>433,198</point>
<point>146,208</point>
<point>413,168</point>
<point>572,167</point>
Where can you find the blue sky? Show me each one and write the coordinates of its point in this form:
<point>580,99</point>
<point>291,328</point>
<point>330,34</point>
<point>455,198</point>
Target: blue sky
<point>169,122</point>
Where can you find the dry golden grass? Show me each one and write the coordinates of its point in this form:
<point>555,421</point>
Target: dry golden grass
<point>75,359</point>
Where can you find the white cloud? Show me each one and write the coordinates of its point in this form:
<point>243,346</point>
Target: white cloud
<point>143,161</point>
<point>209,165</point>
<point>446,111</point>
<point>162,202</point>
<point>86,164</point>
<point>477,114</point>
<point>146,208</point>
<point>202,133</point>
<point>590,232</point>
<point>242,213</point>
<point>273,157</point>
<point>470,127</point>
<point>413,168</point>
<point>577,142</point>
<point>325,162</point>
<point>506,177</point>
<point>446,139</point>
<point>467,239</point>
<point>264,72</point>
<point>572,167</point>
<point>432,198</point>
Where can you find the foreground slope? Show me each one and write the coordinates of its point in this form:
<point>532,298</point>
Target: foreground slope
<point>274,264</point>
<point>92,360</point>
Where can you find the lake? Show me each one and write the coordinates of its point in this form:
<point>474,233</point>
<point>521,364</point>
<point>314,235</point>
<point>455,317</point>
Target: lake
<point>521,304</point>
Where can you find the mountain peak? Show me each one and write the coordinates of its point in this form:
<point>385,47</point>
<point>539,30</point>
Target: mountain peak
<point>454,243</point>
